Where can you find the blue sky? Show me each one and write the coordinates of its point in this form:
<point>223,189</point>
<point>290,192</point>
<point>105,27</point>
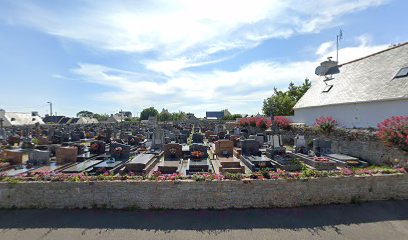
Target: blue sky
<point>193,56</point>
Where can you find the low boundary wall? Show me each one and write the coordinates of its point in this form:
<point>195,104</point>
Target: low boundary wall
<point>202,195</point>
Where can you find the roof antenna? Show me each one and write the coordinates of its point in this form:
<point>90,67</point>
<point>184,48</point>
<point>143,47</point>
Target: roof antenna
<point>339,37</point>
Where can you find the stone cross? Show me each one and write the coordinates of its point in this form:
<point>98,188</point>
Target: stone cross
<point>274,127</point>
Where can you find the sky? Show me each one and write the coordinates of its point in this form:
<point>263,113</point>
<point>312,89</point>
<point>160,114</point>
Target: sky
<point>193,56</point>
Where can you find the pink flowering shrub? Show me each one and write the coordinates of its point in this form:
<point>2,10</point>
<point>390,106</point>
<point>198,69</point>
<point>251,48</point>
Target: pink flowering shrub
<point>259,122</point>
<point>263,123</point>
<point>243,122</point>
<point>326,124</point>
<point>252,121</point>
<point>393,132</point>
<point>282,122</point>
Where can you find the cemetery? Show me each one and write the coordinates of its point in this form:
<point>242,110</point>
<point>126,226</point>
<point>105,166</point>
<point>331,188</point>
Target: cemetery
<point>203,151</point>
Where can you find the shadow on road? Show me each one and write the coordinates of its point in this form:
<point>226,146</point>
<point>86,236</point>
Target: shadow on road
<point>206,220</point>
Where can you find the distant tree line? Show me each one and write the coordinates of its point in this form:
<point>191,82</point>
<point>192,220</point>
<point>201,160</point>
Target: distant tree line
<point>99,117</point>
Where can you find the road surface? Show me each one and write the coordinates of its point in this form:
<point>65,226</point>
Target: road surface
<point>374,220</point>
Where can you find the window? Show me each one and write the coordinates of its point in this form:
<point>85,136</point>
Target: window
<point>33,119</point>
<point>13,119</point>
<point>403,72</point>
<point>327,88</point>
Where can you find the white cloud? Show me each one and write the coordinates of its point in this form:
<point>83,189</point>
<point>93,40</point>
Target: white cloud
<point>364,48</point>
<point>184,33</point>
<point>169,37</point>
<point>240,91</point>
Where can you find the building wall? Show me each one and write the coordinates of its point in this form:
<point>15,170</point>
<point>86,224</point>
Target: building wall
<point>358,115</point>
<point>202,195</point>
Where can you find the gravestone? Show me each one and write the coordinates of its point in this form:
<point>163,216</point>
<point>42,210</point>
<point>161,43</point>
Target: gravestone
<point>208,134</point>
<point>158,139</point>
<point>250,147</point>
<point>260,139</point>
<point>97,147</point>
<point>199,151</point>
<point>75,136</point>
<point>237,131</point>
<point>133,140</point>
<point>108,135</point>
<point>235,139</point>
<point>66,154</point>
<point>219,128</point>
<point>119,151</point>
<point>300,144</point>
<point>182,138</point>
<point>39,157</point>
<point>14,156</point>
<point>221,135</point>
<point>276,141</point>
<point>224,147</point>
<point>27,144</point>
<point>173,151</point>
<point>197,138</point>
<point>322,146</point>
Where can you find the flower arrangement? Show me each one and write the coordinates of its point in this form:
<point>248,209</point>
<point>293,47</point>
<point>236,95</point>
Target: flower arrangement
<point>94,146</point>
<point>325,124</point>
<point>197,154</point>
<point>393,132</point>
<point>117,150</point>
<point>282,122</point>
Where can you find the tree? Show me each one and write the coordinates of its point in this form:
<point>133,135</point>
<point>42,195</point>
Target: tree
<point>101,117</point>
<point>147,112</point>
<point>178,116</point>
<point>283,102</point>
<point>165,116</point>
<point>85,113</point>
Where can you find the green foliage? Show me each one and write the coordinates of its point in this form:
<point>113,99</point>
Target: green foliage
<point>232,117</point>
<point>147,112</point>
<point>233,176</point>
<point>284,101</point>
<point>85,113</point>
<point>165,116</point>
<point>99,117</point>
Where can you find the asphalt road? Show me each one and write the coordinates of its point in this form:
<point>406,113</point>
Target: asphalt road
<point>374,220</point>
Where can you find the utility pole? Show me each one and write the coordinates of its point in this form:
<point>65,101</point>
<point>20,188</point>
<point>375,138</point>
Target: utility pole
<point>339,37</point>
<point>50,108</point>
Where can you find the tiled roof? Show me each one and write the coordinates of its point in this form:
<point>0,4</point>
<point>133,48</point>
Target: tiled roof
<point>53,119</point>
<point>22,118</point>
<point>363,80</point>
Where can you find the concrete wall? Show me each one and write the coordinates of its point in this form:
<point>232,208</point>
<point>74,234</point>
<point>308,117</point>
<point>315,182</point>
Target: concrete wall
<point>358,115</point>
<point>201,195</point>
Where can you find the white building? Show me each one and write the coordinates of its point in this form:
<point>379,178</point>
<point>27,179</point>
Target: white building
<point>19,118</point>
<point>364,92</point>
<point>83,120</point>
